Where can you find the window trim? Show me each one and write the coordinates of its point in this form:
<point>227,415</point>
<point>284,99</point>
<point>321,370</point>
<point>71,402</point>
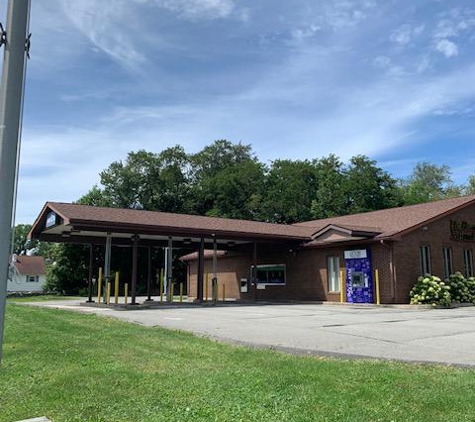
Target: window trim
<point>338,278</point>
<point>448,261</point>
<point>260,266</point>
<point>425,259</point>
<point>468,269</point>
<point>35,278</point>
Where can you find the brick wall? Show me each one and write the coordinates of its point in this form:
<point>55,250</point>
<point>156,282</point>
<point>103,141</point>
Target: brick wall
<point>437,236</point>
<point>306,270</point>
<point>306,274</point>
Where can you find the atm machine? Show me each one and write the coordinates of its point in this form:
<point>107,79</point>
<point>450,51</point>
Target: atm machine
<point>359,278</point>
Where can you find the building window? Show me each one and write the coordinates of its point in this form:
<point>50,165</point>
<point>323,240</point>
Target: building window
<point>425,260</point>
<point>32,278</point>
<point>333,273</point>
<point>448,262</point>
<point>270,274</point>
<point>468,262</point>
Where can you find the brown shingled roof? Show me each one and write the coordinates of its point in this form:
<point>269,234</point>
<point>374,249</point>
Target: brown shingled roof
<point>393,221</point>
<point>30,265</point>
<point>380,224</point>
<point>75,214</point>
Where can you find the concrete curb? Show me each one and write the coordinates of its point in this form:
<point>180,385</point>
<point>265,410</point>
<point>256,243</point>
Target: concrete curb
<point>41,419</point>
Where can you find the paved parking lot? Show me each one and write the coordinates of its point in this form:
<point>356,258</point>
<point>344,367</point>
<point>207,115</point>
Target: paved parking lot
<point>429,335</point>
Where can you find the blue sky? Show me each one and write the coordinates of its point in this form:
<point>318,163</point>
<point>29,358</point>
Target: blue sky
<point>394,80</point>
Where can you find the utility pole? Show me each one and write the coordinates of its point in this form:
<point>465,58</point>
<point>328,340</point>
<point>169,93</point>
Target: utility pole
<point>16,44</point>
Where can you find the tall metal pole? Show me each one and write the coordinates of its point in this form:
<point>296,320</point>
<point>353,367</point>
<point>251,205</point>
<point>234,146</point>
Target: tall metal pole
<point>11,107</point>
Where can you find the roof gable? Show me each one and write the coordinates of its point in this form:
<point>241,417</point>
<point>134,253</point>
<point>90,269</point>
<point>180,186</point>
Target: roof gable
<point>395,221</point>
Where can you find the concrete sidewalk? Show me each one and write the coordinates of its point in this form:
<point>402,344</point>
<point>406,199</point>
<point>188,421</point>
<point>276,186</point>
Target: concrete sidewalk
<point>429,335</point>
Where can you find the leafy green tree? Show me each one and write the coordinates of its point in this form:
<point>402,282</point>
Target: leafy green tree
<point>469,188</point>
<point>149,181</point>
<point>67,273</point>
<point>330,198</point>
<point>94,197</point>
<point>207,167</point>
<point>428,182</point>
<point>21,244</point>
<point>236,191</point>
<point>368,187</point>
<point>289,190</point>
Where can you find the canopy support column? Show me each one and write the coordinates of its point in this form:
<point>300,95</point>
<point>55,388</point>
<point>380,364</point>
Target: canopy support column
<point>149,274</point>
<point>135,247</point>
<point>254,270</point>
<point>107,265</point>
<point>215,271</point>
<point>91,272</point>
<point>200,275</point>
<point>169,270</point>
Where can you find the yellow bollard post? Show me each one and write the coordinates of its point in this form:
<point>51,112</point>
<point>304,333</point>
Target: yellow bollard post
<point>216,293</point>
<point>126,293</point>
<point>224,292</point>
<point>108,294</point>
<point>342,294</point>
<point>161,285</point>
<point>116,289</point>
<point>181,292</point>
<point>172,290</point>
<point>99,286</point>
<point>206,286</point>
<point>378,299</point>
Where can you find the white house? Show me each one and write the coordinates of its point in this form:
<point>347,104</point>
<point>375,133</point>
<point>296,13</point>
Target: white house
<point>27,274</point>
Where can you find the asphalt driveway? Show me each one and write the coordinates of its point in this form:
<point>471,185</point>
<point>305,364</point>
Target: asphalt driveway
<point>428,335</point>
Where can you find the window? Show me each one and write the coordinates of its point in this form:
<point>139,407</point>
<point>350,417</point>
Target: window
<point>448,266</point>
<point>425,260</point>
<point>270,274</point>
<point>32,279</point>
<point>333,273</point>
<point>468,262</point>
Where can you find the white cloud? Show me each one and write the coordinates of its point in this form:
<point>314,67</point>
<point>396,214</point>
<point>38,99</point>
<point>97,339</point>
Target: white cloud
<point>344,14</point>
<point>301,34</point>
<point>382,62</point>
<point>454,23</point>
<point>113,26</point>
<point>105,24</point>
<point>198,9</point>
<point>405,33</point>
<point>447,47</point>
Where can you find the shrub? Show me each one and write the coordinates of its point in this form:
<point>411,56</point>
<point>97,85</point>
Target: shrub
<point>461,289</point>
<point>430,290</point>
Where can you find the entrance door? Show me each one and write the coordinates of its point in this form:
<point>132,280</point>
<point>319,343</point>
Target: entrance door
<point>359,279</point>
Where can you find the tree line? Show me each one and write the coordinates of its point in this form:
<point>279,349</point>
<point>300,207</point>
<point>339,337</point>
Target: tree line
<point>227,179</point>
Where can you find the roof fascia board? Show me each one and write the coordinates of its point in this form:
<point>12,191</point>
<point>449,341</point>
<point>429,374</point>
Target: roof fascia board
<point>432,220</point>
<point>108,227</point>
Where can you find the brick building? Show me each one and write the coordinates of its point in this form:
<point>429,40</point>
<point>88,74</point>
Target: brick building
<point>401,243</point>
<point>313,260</point>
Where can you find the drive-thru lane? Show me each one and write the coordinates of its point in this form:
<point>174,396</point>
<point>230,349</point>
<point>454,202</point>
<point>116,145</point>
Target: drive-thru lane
<point>427,335</point>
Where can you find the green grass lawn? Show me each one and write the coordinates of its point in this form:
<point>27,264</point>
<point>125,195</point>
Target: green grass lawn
<point>76,367</point>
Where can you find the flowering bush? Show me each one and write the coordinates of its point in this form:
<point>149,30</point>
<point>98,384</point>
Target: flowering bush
<point>461,289</point>
<point>430,290</point>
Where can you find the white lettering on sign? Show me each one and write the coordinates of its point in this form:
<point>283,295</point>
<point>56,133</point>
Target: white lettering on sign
<point>356,254</point>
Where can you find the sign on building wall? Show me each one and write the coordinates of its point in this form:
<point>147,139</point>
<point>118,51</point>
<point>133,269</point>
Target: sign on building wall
<point>356,254</point>
<point>462,231</point>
